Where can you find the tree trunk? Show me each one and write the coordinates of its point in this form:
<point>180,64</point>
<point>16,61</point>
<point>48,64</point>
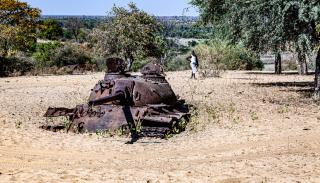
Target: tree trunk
<point>1,67</point>
<point>317,77</point>
<point>303,67</point>
<point>277,63</point>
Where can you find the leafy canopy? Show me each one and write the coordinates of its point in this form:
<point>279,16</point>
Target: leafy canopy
<point>265,24</point>
<point>18,23</point>
<point>51,29</point>
<point>131,33</point>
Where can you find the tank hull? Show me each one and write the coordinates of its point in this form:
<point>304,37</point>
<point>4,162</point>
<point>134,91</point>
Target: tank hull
<point>149,121</point>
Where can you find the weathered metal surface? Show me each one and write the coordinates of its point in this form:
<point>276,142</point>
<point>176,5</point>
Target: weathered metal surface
<point>121,100</point>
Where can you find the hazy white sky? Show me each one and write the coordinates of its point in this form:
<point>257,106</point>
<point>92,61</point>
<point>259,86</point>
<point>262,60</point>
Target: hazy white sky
<point>101,7</point>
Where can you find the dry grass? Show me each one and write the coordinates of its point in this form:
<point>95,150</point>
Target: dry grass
<point>247,128</point>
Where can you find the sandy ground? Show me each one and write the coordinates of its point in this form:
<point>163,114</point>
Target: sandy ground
<point>249,128</point>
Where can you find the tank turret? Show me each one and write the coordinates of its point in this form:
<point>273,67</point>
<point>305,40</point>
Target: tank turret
<point>122,100</point>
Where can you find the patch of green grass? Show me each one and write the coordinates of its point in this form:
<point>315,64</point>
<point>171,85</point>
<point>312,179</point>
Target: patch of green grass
<point>254,115</point>
<point>283,109</point>
<point>231,111</point>
<point>103,133</point>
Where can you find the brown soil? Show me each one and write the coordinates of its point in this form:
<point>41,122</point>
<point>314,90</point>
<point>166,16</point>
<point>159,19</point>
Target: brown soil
<point>249,128</point>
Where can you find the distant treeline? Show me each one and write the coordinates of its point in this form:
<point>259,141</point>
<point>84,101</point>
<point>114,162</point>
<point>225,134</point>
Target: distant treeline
<point>174,26</point>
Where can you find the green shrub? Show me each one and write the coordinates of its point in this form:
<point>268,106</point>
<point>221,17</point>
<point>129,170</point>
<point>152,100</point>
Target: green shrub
<point>210,60</point>
<point>100,62</point>
<point>219,55</point>
<point>138,64</point>
<point>175,59</point>
<point>53,56</point>
<point>44,54</point>
<point>18,65</point>
<point>177,63</point>
<point>291,65</point>
<point>70,54</point>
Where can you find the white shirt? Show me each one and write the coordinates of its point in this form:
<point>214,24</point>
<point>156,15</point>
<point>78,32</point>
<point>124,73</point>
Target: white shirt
<point>193,59</point>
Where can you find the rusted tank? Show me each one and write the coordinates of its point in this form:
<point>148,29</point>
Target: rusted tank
<point>144,105</point>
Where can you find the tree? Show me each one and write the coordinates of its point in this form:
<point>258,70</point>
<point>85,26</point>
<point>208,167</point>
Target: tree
<point>18,23</point>
<point>317,70</point>
<point>299,20</point>
<point>8,39</point>
<point>246,22</point>
<point>51,29</point>
<point>317,77</point>
<point>270,25</point>
<point>131,33</point>
<point>282,22</point>
<point>74,26</point>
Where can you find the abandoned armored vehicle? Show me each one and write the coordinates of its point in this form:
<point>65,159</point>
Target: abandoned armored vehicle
<point>144,105</point>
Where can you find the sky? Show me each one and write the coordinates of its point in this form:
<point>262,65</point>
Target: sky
<point>101,7</point>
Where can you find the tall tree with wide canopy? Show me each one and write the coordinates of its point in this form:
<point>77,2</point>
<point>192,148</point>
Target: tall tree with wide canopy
<point>18,23</point>
<point>269,25</point>
<point>317,70</point>
<point>248,22</point>
<point>130,33</point>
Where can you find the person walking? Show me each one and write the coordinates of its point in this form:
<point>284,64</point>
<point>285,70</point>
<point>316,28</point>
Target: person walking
<point>193,59</point>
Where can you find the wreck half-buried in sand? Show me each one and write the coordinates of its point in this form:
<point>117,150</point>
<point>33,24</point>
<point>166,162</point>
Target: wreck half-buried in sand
<point>143,105</point>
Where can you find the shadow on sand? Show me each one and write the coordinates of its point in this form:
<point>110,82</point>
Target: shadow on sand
<point>272,73</point>
<point>304,88</point>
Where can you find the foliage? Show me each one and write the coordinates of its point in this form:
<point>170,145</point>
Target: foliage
<point>220,55</point>
<point>177,63</point>
<point>9,39</point>
<point>175,56</point>
<point>51,29</point>
<point>266,25</point>
<point>185,29</point>
<point>212,11</point>
<point>15,66</point>
<point>73,26</point>
<point>16,13</point>
<point>18,23</point>
<point>70,54</point>
<point>45,53</point>
<point>54,54</point>
<point>131,33</point>
<point>136,66</point>
<point>291,65</point>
